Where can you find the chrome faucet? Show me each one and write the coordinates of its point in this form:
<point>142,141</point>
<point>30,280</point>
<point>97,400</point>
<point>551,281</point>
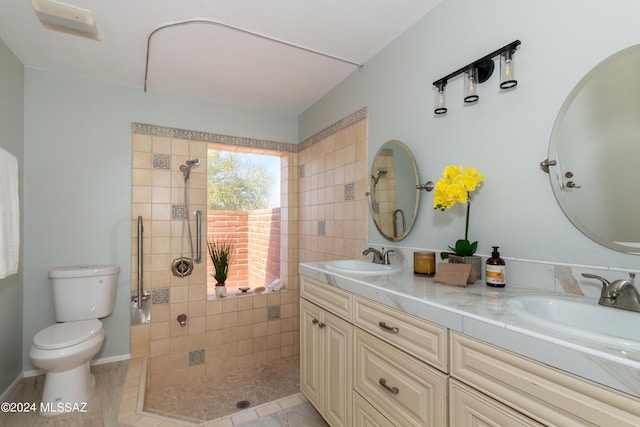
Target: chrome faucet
<point>379,257</point>
<point>620,293</point>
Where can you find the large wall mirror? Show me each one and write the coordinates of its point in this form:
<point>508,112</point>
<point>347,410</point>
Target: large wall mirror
<point>596,146</point>
<point>393,197</point>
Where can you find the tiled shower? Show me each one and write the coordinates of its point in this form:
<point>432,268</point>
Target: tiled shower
<point>323,217</point>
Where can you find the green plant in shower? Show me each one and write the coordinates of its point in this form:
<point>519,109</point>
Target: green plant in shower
<point>220,253</point>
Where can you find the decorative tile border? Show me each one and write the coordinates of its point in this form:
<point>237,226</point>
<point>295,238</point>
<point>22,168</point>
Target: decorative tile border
<point>351,119</point>
<point>213,138</point>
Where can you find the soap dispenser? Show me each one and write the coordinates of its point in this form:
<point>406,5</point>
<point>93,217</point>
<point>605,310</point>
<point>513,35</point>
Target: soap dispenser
<point>496,268</point>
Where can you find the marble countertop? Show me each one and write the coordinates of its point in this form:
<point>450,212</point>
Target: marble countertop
<point>480,312</point>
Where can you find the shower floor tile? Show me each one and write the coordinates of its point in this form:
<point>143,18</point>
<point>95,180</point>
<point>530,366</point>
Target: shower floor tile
<point>216,396</point>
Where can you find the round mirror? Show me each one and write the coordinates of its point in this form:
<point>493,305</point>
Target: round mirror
<point>596,146</point>
<point>393,197</point>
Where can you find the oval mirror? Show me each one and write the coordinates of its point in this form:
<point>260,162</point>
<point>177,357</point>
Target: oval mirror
<point>393,197</point>
<point>596,145</point>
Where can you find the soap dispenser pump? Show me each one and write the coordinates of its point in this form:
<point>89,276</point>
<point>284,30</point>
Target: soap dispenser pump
<point>496,269</point>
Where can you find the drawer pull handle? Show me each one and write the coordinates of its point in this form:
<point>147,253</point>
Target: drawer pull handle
<point>315,321</point>
<point>321,325</point>
<point>393,390</point>
<point>392,329</point>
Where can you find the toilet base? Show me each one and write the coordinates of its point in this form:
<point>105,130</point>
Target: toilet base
<point>67,391</point>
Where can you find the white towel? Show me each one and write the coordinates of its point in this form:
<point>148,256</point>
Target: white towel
<point>9,215</point>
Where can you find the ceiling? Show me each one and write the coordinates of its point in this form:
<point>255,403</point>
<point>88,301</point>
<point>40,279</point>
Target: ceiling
<point>210,61</point>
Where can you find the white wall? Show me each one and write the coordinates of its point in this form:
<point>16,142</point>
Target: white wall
<point>78,179</point>
<point>11,140</point>
<point>505,135</point>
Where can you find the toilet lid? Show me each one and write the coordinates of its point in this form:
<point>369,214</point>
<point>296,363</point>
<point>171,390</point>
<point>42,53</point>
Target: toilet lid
<point>67,334</point>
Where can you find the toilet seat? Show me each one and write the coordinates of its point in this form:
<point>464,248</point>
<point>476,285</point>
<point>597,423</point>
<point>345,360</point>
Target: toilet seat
<point>63,335</point>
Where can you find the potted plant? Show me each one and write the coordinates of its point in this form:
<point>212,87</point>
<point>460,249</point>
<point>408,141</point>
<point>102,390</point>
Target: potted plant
<point>456,186</point>
<point>220,254</point>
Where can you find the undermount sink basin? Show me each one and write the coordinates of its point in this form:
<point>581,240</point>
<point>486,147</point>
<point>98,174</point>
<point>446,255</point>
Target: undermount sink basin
<point>355,266</point>
<point>580,316</point>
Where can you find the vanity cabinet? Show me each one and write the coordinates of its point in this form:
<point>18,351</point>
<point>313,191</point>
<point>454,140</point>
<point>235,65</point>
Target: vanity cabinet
<point>365,364</point>
<point>326,351</point>
<point>545,394</point>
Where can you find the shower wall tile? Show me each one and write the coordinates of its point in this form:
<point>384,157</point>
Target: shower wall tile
<point>230,332</point>
<point>160,296</point>
<point>160,161</point>
<point>333,191</point>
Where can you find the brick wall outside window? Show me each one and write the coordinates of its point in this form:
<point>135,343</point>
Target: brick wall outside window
<point>256,235</point>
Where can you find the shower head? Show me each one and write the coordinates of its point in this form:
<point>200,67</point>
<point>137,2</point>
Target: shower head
<point>186,169</point>
<point>381,173</point>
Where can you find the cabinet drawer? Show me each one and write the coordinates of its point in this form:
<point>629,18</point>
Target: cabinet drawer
<point>543,393</point>
<point>469,407</point>
<point>405,390</point>
<point>423,339</point>
<point>328,297</point>
<point>365,415</point>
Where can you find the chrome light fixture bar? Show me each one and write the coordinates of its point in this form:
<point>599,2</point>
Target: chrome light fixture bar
<point>478,72</point>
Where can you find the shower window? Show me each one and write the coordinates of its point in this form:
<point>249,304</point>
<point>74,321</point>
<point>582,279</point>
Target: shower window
<point>243,203</point>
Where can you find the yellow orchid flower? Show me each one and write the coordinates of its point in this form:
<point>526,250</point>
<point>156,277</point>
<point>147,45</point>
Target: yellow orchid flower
<point>454,187</point>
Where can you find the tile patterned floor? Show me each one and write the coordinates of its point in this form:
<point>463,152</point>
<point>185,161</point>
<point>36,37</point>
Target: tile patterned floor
<point>215,396</point>
<point>104,406</point>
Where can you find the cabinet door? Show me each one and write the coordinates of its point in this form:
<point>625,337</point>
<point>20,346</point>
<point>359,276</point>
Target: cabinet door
<point>311,353</point>
<point>337,336</point>
<point>470,408</point>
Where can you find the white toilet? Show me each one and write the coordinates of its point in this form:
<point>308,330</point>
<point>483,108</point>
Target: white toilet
<point>81,296</point>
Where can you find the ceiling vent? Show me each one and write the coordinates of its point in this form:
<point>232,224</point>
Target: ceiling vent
<point>66,18</point>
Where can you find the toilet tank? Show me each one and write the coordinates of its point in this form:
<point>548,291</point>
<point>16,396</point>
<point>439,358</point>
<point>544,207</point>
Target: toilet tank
<point>83,293</point>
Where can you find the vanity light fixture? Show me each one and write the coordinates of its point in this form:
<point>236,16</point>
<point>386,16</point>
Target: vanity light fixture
<point>478,72</point>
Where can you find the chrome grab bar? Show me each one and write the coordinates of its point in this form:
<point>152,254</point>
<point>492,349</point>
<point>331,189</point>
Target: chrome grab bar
<point>198,214</point>
<point>395,222</point>
<point>140,297</point>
